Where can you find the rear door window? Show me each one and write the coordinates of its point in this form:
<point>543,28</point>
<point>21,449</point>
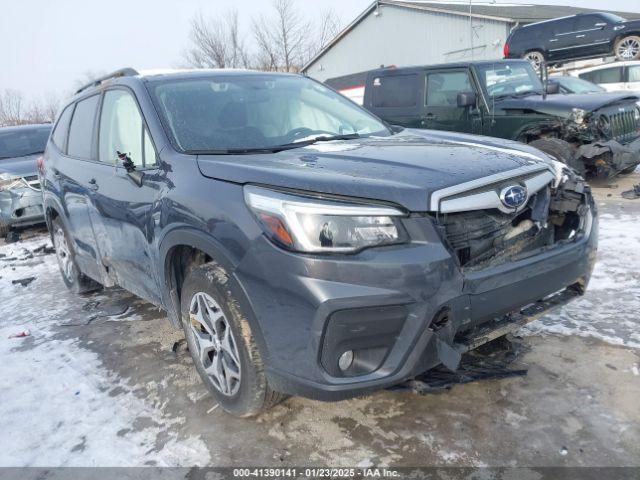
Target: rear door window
<point>443,88</point>
<point>122,130</point>
<point>562,26</point>
<point>395,91</point>
<point>606,75</point>
<point>59,136</point>
<point>81,129</point>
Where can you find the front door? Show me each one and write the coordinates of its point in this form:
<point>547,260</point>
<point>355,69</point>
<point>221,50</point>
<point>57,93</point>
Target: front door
<point>589,36</point>
<point>441,110</point>
<point>121,209</point>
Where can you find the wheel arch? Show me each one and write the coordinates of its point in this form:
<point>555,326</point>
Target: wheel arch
<point>182,243</point>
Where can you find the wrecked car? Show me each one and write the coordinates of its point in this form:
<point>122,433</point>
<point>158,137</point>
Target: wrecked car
<point>597,134</point>
<point>20,196</point>
<point>303,246</point>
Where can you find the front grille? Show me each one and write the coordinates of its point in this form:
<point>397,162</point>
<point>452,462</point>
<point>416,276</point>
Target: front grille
<point>624,126</point>
<point>484,238</point>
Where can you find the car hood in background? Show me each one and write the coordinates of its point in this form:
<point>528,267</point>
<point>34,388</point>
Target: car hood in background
<point>563,105</point>
<point>404,169</point>
<point>20,166</point>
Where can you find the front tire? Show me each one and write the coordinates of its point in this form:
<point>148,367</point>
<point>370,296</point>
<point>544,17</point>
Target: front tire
<point>628,48</point>
<point>73,278</point>
<point>560,150</point>
<point>222,344</point>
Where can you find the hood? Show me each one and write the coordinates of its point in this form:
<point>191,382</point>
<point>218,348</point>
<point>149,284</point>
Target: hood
<point>563,105</point>
<point>404,169</point>
<point>20,166</point>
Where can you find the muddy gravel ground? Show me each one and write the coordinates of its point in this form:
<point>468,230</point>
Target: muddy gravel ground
<point>94,381</point>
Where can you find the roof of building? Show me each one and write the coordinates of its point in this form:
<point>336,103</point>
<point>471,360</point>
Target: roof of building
<point>506,12</point>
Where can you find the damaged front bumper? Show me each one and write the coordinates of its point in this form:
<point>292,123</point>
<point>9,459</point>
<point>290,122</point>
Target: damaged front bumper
<point>21,207</point>
<point>608,158</point>
<point>401,310</point>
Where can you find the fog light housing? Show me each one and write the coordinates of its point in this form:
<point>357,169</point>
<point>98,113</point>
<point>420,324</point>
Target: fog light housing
<point>345,360</point>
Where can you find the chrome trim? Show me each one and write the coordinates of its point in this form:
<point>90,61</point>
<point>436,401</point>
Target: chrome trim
<point>437,197</point>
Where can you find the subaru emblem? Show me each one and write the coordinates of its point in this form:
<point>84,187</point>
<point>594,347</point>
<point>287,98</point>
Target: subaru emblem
<point>513,196</point>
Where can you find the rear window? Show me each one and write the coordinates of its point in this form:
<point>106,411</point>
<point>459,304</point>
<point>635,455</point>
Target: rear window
<point>62,127</point>
<point>81,129</point>
<point>606,75</point>
<point>395,91</point>
<point>23,141</point>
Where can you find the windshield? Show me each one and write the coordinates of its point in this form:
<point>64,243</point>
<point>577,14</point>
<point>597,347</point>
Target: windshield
<point>577,85</point>
<point>20,142</point>
<point>224,114</point>
<point>505,80</point>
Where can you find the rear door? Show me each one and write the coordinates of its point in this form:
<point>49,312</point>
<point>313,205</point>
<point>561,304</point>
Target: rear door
<point>441,111</point>
<point>73,175</point>
<point>121,208</point>
<point>561,39</point>
<point>395,97</point>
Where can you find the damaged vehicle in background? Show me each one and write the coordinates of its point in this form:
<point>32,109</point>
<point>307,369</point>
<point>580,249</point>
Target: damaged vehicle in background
<point>303,246</point>
<point>596,134</point>
<point>20,196</point>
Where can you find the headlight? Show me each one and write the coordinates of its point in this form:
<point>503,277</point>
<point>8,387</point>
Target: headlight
<point>306,224</point>
<point>578,114</point>
<point>7,182</point>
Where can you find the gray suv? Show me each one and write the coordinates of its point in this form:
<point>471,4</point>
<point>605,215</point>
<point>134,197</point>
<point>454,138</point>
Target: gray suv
<point>304,246</point>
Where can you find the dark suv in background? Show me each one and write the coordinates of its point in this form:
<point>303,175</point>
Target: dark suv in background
<point>303,246</point>
<point>596,134</point>
<point>586,35</point>
<point>20,196</point>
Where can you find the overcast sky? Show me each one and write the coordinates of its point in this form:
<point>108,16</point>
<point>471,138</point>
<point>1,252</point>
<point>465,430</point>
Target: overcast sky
<point>46,46</point>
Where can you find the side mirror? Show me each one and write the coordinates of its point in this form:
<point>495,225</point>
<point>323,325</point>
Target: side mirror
<point>466,99</point>
<point>553,87</point>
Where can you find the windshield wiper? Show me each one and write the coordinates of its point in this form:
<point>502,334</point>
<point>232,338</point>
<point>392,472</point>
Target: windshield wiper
<point>275,148</point>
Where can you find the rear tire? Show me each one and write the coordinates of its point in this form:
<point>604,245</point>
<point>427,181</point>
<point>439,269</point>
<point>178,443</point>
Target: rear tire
<point>222,344</point>
<point>560,150</point>
<point>73,278</point>
<point>628,48</point>
<point>536,58</point>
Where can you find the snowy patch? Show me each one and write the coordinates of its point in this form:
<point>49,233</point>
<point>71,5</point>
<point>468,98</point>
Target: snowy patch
<point>56,409</point>
<point>609,309</point>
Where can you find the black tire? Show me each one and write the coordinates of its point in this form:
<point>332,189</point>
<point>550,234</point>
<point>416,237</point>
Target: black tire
<point>208,283</point>
<point>72,276</point>
<point>560,150</point>
<point>627,48</point>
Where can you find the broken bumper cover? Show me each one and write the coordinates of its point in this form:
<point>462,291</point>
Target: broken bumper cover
<point>611,157</point>
<point>401,309</point>
<point>21,207</point>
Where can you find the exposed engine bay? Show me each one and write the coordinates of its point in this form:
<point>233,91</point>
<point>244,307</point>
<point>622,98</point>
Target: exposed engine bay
<point>485,238</point>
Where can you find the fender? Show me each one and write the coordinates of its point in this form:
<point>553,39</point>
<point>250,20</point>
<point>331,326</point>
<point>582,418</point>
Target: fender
<point>188,236</point>
<point>51,202</point>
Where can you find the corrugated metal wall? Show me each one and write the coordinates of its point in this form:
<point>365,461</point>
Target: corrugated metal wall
<point>403,37</point>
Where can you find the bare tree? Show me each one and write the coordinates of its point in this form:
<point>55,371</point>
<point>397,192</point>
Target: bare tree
<point>11,107</point>
<point>217,42</point>
<point>327,28</point>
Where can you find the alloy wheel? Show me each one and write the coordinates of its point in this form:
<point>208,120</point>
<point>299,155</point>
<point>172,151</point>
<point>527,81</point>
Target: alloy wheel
<point>628,48</point>
<point>536,59</point>
<point>217,350</point>
<point>63,253</point>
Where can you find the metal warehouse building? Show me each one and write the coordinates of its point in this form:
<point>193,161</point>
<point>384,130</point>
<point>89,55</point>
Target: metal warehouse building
<point>413,32</point>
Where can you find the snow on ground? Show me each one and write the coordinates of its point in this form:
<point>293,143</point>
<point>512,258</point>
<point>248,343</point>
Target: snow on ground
<point>55,407</point>
<point>610,311</point>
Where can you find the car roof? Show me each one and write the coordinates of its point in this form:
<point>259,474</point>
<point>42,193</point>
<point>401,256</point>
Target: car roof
<point>32,126</point>
<point>629,63</point>
<point>450,65</point>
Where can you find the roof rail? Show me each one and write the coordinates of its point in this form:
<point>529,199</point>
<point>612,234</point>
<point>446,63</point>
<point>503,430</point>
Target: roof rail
<point>123,72</point>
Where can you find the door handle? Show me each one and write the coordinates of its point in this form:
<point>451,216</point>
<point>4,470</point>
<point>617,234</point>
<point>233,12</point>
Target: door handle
<point>553,40</point>
<point>93,185</point>
<point>580,36</point>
